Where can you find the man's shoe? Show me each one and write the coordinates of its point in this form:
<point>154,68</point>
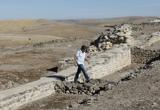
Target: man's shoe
<point>87,81</point>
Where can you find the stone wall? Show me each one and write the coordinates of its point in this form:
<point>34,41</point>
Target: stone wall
<point>102,64</point>
<point>114,60</point>
<point>13,98</point>
<point>107,60</point>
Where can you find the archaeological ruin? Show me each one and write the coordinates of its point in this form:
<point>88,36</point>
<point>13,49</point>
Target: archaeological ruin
<point>113,50</point>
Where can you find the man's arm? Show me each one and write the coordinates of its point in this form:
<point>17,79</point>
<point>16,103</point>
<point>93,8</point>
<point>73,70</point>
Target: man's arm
<point>75,59</point>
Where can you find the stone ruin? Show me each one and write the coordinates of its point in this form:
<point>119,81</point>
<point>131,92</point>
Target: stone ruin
<point>111,36</point>
<point>116,35</point>
<point>105,40</point>
<point>102,63</point>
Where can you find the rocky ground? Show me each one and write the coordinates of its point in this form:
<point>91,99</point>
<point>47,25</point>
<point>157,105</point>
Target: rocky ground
<point>135,94</point>
<point>136,91</point>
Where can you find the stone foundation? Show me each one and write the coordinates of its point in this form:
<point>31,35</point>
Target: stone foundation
<point>101,64</point>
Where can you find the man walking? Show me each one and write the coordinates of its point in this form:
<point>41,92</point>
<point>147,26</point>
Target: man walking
<point>80,57</point>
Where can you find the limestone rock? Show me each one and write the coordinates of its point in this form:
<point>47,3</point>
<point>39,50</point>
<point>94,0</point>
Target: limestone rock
<point>92,49</point>
<point>114,35</point>
<point>91,88</point>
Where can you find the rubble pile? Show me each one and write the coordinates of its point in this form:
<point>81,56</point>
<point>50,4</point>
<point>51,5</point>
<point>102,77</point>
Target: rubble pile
<point>141,70</point>
<point>113,35</point>
<point>95,86</point>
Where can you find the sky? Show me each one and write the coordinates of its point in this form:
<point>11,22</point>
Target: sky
<point>77,9</point>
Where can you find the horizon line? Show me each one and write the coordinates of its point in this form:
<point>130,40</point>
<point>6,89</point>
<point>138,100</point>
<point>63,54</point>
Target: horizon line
<point>93,18</point>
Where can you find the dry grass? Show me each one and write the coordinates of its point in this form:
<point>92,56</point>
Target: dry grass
<point>15,25</point>
<point>16,40</point>
<point>44,27</point>
<point>22,32</point>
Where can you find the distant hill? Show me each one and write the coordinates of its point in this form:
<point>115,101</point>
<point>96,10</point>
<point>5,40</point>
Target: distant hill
<point>65,28</point>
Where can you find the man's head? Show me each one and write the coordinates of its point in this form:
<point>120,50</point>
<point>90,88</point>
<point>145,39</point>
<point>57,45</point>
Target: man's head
<point>83,48</point>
